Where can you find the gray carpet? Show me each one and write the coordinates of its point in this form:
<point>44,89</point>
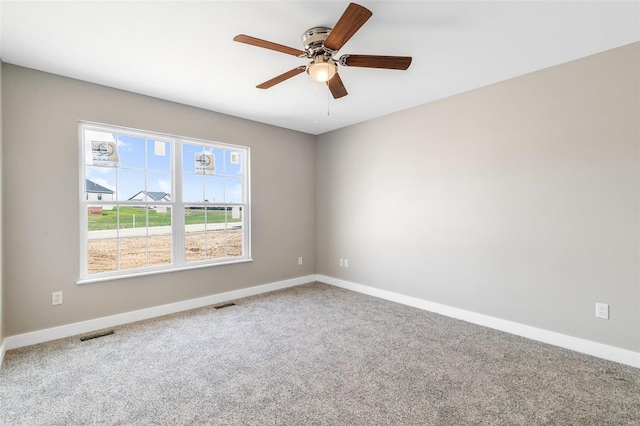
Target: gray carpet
<point>312,355</point>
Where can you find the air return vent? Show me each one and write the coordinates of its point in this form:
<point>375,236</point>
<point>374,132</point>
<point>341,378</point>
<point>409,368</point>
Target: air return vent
<point>95,336</point>
<point>226,305</point>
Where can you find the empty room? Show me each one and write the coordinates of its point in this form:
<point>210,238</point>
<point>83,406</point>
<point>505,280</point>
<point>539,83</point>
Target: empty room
<point>320,212</point>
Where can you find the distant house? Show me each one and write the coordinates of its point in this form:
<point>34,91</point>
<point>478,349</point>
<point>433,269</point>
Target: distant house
<point>95,192</point>
<point>151,196</point>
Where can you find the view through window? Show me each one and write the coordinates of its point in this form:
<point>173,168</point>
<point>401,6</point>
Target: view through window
<point>158,202</point>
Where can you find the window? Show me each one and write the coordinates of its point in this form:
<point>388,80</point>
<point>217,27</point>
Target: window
<point>153,202</point>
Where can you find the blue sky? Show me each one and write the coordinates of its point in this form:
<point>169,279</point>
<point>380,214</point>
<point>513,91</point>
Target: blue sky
<point>133,177</point>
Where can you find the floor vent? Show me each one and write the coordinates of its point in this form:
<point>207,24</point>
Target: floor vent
<point>95,336</point>
<point>226,305</point>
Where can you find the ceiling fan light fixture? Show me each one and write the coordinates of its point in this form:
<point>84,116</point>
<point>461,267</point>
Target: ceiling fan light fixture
<point>321,44</point>
<point>322,69</point>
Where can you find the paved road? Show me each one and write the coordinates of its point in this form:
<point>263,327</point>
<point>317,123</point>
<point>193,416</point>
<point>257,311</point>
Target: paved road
<point>157,230</point>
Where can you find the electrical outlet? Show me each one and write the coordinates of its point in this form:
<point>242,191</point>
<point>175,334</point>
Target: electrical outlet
<point>346,263</point>
<point>341,262</point>
<point>300,260</point>
<point>56,298</point>
<point>602,310</point>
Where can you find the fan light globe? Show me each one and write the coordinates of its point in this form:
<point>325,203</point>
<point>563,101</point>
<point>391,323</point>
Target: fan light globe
<point>322,69</point>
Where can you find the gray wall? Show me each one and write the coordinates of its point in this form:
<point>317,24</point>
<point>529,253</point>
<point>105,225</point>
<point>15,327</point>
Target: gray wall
<point>41,208</point>
<point>517,200</point>
<point>2,333</point>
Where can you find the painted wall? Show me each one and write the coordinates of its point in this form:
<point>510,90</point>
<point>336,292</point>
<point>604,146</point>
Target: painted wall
<point>42,240</point>
<point>518,200</point>
<point>2,333</point>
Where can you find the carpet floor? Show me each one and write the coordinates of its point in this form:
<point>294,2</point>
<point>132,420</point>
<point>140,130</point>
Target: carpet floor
<point>312,355</point>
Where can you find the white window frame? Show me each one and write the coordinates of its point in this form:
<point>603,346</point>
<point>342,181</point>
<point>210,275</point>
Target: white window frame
<point>176,204</point>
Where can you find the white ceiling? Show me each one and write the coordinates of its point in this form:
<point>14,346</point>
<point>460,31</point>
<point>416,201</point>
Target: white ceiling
<point>183,50</point>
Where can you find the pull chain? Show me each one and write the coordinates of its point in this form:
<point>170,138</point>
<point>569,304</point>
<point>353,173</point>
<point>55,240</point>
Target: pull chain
<point>317,108</point>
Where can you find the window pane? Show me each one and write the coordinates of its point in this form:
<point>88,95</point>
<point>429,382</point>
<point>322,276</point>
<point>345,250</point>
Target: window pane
<point>102,255</point>
<point>158,155</point>
<point>234,217</point>
<point>216,242</point>
<point>194,218</point>
<point>215,218</point>
<point>94,156</point>
<point>100,180</point>
<point>132,221</point>
<point>233,190</point>
<point>202,159</point>
<point>100,218</point>
<point>131,151</point>
<point>159,186</point>
<point>188,152</point>
<point>136,223</point>
<point>219,157</point>
<point>133,252</point>
<point>214,189</point>
<point>159,220</point>
<point>131,185</point>
<point>194,247</point>
<point>235,231</point>
<point>233,163</point>
<point>192,188</point>
<point>160,250</point>
<point>194,227</point>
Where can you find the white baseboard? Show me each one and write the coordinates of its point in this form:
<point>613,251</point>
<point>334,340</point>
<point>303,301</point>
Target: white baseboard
<point>40,336</point>
<point>600,350</point>
<point>588,347</point>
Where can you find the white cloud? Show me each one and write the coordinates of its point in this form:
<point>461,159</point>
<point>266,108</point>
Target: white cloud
<point>165,186</point>
<point>125,145</point>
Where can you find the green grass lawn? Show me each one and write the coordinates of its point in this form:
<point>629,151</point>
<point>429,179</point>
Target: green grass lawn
<point>108,219</point>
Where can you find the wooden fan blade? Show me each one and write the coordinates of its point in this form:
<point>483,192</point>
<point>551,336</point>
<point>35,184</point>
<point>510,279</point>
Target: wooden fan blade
<point>282,77</point>
<point>351,20</point>
<point>337,87</point>
<point>372,61</point>
<point>241,38</point>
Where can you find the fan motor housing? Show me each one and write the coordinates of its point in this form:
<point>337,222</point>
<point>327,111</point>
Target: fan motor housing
<point>313,39</point>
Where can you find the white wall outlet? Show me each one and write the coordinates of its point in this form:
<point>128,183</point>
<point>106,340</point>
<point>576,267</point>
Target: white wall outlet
<point>56,298</point>
<point>602,310</point>
<point>346,263</point>
<point>300,260</point>
<point>341,262</point>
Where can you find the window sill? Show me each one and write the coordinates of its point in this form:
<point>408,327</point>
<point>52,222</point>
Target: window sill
<point>161,271</point>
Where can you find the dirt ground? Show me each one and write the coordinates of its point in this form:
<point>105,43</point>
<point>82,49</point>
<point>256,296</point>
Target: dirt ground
<point>133,251</point>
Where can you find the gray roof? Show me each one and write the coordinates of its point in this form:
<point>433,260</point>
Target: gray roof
<point>94,187</point>
<point>155,196</point>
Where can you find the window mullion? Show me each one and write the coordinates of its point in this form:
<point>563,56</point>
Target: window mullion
<point>177,220</point>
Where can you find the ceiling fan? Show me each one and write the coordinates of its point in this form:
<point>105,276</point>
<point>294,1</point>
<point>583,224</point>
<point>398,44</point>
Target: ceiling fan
<point>320,46</point>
